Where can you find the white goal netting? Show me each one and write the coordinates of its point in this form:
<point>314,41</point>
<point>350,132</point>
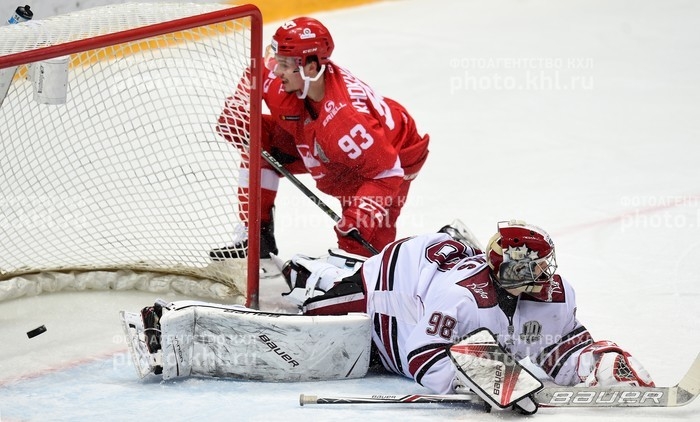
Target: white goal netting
<point>128,174</point>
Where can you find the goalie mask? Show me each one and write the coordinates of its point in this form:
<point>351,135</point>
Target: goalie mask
<point>294,43</point>
<point>520,254</point>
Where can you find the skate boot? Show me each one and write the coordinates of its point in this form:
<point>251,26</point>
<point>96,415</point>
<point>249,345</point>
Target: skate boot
<point>239,248</point>
<point>151,330</point>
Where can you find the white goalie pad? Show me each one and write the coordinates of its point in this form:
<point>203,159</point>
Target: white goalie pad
<point>491,372</point>
<point>210,340</point>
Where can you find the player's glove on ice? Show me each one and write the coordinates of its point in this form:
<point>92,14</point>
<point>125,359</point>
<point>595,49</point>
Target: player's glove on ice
<point>604,363</point>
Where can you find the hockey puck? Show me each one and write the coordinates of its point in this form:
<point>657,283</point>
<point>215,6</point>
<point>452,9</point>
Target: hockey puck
<point>35,332</point>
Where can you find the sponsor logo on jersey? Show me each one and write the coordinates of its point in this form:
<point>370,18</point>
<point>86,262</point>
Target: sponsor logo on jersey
<point>319,152</point>
<point>531,332</point>
<point>291,118</point>
<point>310,162</point>
<point>483,293</point>
<point>479,289</point>
<point>332,111</point>
<point>554,288</point>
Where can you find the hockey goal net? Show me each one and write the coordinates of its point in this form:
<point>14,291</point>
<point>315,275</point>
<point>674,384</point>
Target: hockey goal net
<point>126,176</point>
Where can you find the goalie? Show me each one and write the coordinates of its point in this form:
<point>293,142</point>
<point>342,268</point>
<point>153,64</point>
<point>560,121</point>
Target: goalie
<point>435,308</point>
<point>427,292</point>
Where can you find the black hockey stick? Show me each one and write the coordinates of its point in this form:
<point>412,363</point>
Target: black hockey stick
<point>617,396</point>
<point>471,399</point>
<point>315,199</point>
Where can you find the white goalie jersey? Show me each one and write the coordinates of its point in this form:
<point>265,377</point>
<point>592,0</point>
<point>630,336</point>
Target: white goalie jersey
<point>425,293</point>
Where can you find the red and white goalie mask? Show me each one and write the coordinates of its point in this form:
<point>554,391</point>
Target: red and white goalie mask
<point>520,254</point>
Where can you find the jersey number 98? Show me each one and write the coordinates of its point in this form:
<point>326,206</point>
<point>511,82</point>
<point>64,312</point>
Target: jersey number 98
<point>441,325</point>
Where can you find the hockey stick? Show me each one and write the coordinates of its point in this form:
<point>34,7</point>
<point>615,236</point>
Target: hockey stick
<point>617,396</point>
<point>315,199</point>
<point>621,396</point>
<point>376,399</point>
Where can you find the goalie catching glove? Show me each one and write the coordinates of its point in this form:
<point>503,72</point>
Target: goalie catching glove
<point>308,277</point>
<point>605,364</point>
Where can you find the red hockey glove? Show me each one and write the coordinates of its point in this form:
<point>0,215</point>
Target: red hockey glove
<point>604,363</point>
<point>364,218</point>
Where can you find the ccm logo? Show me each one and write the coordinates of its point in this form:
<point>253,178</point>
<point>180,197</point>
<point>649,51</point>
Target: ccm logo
<point>602,397</point>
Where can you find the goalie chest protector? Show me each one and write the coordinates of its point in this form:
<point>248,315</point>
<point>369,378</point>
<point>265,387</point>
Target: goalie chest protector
<point>241,343</point>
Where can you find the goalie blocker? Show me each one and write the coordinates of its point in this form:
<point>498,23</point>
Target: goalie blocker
<point>485,368</point>
<point>211,340</point>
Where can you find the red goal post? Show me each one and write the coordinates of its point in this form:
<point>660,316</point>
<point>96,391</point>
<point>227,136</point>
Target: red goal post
<point>127,172</point>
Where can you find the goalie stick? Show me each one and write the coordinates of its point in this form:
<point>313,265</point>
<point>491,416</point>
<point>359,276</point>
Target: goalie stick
<point>558,396</point>
<point>315,199</point>
<point>466,399</point>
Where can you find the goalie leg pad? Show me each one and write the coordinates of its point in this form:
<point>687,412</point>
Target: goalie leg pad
<point>213,340</point>
<point>492,373</point>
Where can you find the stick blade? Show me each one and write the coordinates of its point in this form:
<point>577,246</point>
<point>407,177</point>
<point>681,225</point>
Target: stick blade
<point>689,386</point>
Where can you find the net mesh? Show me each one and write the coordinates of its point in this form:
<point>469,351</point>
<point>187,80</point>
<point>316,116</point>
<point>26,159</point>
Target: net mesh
<point>129,173</point>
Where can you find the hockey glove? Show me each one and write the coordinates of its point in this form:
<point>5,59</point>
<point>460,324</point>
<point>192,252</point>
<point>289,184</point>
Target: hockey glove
<point>484,367</point>
<point>604,363</point>
<point>310,277</point>
<point>364,217</point>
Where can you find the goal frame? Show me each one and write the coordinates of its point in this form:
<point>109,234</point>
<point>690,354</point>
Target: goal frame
<point>234,12</point>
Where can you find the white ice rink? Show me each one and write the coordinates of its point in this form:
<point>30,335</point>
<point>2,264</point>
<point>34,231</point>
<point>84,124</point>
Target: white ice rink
<point>581,116</point>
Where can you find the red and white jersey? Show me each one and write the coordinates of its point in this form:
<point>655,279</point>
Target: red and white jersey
<point>425,293</point>
<point>354,141</point>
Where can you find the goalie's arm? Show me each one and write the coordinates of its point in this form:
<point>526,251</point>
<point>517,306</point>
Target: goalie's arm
<point>576,357</point>
<point>427,346</point>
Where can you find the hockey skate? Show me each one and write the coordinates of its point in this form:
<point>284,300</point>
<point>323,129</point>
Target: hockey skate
<point>239,249</point>
<point>143,339</point>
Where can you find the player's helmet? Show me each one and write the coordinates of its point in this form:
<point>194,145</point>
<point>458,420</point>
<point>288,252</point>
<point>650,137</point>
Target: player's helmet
<point>302,38</point>
<point>520,254</point>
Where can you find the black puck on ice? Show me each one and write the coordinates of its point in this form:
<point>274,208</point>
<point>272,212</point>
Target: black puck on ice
<point>35,332</point>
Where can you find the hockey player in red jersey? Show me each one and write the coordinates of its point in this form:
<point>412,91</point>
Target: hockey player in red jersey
<point>360,147</point>
<point>426,292</point>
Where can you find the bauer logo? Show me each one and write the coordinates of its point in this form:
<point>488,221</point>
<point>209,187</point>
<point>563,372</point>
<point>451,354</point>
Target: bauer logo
<point>608,398</point>
<point>498,381</point>
<point>284,356</point>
